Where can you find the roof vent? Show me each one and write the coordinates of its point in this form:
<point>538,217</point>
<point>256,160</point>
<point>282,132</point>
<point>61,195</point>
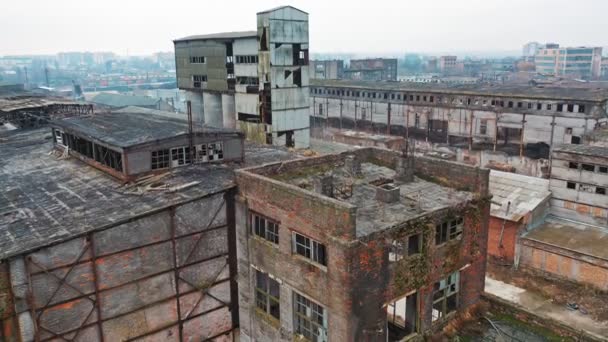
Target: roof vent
<point>388,193</point>
<point>324,185</point>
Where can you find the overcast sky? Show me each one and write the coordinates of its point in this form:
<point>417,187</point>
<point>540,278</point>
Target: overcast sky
<point>368,27</point>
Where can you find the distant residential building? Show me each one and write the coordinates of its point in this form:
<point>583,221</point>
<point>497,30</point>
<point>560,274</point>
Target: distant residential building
<point>374,69</point>
<point>448,64</point>
<point>531,49</point>
<point>582,62</point>
<point>604,68</point>
<point>327,69</point>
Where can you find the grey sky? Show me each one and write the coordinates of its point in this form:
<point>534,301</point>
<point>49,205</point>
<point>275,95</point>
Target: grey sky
<point>376,26</point>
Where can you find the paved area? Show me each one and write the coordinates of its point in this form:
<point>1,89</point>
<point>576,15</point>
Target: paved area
<point>546,308</point>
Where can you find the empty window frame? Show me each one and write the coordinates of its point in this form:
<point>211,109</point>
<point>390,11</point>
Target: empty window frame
<point>198,80</point>
<point>402,316</point>
<point>602,169</point>
<point>571,185</point>
<point>209,152</point>
<point>309,248</point>
<point>320,109</point>
<point>600,190</point>
<point>448,230</point>
<point>539,106</point>
<point>198,60</point>
<point>160,159</point>
<point>445,296</point>
<point>267,294</point>
<point>572,165</point>
<point>249,59</point>
<point>108,157</point>
<point>529,105</point>
<point>59,137</point>
<point>309,318</point>
<point>581,108</point>
<point>570,108</point>
<point>549,106</point>
<point>265,228</point>
<point>588,167</point>
<point>399,248</point>
<point>483,126</point>
<point>560,107</point>
<point>180,156</point>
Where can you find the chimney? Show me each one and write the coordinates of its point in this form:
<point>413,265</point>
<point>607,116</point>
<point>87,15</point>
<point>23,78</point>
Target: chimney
<point>324,185</point>
<point>353,165</point>
<point>388,193</point>
<point>405,169</point>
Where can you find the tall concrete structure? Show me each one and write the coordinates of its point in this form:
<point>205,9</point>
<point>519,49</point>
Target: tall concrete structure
<point>356,247</point>
<point>572,61</point>
<point>283,72</point>
<point>215,70</point>
<point>256,80</point>
<point>447,64</point>
<point>530,49</point>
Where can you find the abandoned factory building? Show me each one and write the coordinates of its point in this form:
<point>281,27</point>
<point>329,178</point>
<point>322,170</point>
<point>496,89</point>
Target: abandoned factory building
<point>254,80</point>
<point>480,124</point>
<point>107,234</point>
<point>367,245</point>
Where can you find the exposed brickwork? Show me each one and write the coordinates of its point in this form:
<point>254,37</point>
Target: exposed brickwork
<point>8,322</point>
<point>359,278</point>
<point>505,250</point>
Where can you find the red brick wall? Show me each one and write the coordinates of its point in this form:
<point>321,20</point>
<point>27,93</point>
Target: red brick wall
<point>509,238</point>
<point>8,322</point>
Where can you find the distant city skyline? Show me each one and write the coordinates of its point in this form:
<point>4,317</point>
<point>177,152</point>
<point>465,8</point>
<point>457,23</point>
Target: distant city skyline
<point>385,28</point>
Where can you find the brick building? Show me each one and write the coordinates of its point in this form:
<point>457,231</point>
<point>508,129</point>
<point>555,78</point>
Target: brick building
<point>365,245</point>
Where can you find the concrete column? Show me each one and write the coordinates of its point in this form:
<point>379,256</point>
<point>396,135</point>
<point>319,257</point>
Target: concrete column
<point>229,111</point>
<point>196,98</point>
<point>212,104</point>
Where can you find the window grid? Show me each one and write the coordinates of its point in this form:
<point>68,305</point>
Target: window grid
<point>445,296</point>
<point>267,294</point>
<point>449,230</point>
<point>160,159</point>
<point>309,248</point>
<point>309,318</point>
<point>265,228</point>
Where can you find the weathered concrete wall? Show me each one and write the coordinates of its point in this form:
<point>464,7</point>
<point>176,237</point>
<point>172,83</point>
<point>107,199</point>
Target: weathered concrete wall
<point>163,276</point>
<point>561,263</point>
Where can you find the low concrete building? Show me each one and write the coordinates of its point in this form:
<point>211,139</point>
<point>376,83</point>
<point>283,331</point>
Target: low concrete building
<point>519,204</point>
<point>372,69</point>
<point>129,145</point>
<point>327,70</point>
<point>373,246</point>
<point>116,101</point>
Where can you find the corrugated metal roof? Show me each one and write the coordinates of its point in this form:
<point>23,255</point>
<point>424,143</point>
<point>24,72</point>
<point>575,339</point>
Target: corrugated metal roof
<point>11,104</point>
<point>220,35</point>
<point>524,192</point>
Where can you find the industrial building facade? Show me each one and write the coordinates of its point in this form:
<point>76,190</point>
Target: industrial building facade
<point>374,69</point>
<point>583,62</point>
<point>511,124</point>
<point>256,81</point>
<point>368,250</point>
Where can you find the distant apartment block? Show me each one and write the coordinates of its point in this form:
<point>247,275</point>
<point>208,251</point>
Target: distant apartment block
<point>530,49</point>
<point>447,64</point>
<point>376,69</point>
<point>327,70</point>
<point>582,62</point>
<point>254,80</point>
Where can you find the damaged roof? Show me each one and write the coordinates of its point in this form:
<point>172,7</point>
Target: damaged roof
<point>220,35</point>
<point>587,150</point>
<point>120,100</point>
<point>45,199</point>
<point>126,129</point>
<point>479,89</point>
<point>15,103</point>
<point>525,194</point>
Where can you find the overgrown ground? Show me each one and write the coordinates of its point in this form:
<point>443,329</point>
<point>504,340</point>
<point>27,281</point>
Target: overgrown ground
<point>591,300</point>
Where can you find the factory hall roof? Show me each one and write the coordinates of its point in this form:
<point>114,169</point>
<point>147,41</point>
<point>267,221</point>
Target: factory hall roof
<point>125,129</point>
<point>521,91</point>
<point>120,100</point>
<point>24,102</point>
<point>586,150</point>
<point>220,36</point>
<point>46,198</point>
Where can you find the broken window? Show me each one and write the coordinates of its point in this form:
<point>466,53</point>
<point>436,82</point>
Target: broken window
<point>493,103</point>
<point>108,157</point>
<point>417,97</point>
<point>548,106</point>
<point>247,59</point>
<point>600,190</point>
<point>59,137</point>
<point>417,120</point>
<point>265,228</point>
<point>520,104</point>
<point>573,165</point>
<point>483,126</point>
<point>571,185</point>
<point>575,140</point>
<point>570,108</point>
<point>300,56</point>
<point>160,159</point>
<point>560,107</point>
<point>449,230</point>
<point>402,316</point>
<point>586,188</point>
<point>445,296</point>
<point>392,96</point>
<point>320,109</point>
<point>602,169</point>
<point>180,156</point>
<point>414,244</point>
<point>197,60</point>
<point>581,108</point>
<point>510,104</point>
<point>309,248</point>
<point>310,319</point>
<point>297,77</point>
<point>529,105</point>
<point>411,97</point>
<point>431,99</point>
<point>588,167</point>
<point>267,294</point>
<point>264,40</point>
<point>209,152</point>
<point>539,106</point>
<point>198,80</point>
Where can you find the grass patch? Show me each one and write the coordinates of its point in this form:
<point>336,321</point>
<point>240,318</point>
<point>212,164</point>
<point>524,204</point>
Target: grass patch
<point>536,329</point>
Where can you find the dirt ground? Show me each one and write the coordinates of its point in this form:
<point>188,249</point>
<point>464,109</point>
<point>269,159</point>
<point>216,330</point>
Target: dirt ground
<point>591,300</point>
